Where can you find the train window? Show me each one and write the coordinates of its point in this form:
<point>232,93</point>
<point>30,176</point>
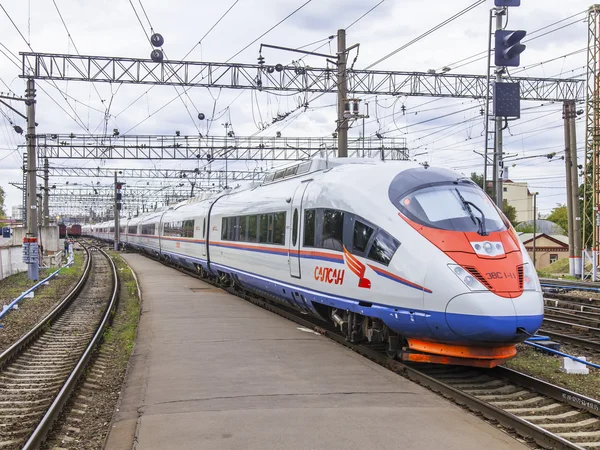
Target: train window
<point>291,171</point>
<point>304,167</point>
<point>243,228</point>
<point>231,228</point>
<point>253,229</point>
<point>333,229</point>
<point>224,228</point>
<point>309,227</point>
<point>362,234</point>
<point>263,236</point>
<point>279,174</point>
<point>132,229</point>
<point>295,228</point>
<point>188,228</point>
<point>383,248</point>
<point>122,230</point>
<point>148,229</point>
<point>112,229</point>
<point>278,236</point>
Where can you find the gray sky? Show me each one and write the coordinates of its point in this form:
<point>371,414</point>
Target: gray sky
<point>111,28</point>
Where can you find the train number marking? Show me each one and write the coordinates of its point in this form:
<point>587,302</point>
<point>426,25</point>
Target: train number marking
<point>177,244</point>
<point>329,275</point>
<point>500,275</point>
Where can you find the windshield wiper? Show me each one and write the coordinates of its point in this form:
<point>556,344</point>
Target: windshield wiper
<point>476,220</point>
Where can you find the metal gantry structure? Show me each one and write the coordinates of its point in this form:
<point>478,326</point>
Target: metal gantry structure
<point>212,148</point>
<point>195,175</point>
<point>262,77</point>
<point>51,66</point>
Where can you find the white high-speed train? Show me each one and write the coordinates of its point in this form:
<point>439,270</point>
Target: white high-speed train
<point>418,257</point>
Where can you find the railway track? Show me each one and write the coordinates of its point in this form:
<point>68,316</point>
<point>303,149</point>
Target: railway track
<point>573,321</point>
<point>540,413</point>
<point>39,372</point>
<point>570,283</point>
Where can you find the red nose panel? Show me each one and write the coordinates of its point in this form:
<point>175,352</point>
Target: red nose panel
<point>499,274</point>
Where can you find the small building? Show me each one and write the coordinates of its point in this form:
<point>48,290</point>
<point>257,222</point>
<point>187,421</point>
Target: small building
<point>549,248</point>
<point>518,195</point>
<point>17,213</point>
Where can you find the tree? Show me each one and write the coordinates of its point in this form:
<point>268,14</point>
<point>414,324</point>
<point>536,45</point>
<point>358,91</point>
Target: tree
<point>560,216</point>
<point>478,179</point>
<point>2,213</point>
<point>524,227</point>
<point>510,212</point>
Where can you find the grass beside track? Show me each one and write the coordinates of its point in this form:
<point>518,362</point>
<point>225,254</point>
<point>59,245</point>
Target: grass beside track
<point>121,335</point>
<point>539,365</point>
<point>31,310</point>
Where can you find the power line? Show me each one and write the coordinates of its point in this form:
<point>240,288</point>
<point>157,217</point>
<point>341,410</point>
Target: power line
<point>365,14</point>
<point>484,53</point>
<point>428,32</point>
<point>210,29</point>
<point>271,29</point>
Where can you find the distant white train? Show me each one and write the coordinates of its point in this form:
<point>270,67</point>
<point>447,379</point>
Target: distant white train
<point>417,257</point>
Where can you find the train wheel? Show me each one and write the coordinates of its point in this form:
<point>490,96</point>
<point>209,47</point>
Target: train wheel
<point>225,280</point>
<point>392,348</point>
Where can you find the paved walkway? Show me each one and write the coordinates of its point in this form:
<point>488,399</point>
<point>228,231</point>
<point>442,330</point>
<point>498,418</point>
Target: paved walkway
<point>211,371</point>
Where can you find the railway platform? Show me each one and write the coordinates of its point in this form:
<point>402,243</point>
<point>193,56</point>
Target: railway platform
<point>212,371</point>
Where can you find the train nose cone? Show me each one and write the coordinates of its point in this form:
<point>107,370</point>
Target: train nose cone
<point>482,316</point>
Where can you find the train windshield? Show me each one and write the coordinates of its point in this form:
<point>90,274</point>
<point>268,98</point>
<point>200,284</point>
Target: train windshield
<point>453,206</point>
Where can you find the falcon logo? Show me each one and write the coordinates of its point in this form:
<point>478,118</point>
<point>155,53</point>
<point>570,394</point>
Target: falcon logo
<point>357,268</point>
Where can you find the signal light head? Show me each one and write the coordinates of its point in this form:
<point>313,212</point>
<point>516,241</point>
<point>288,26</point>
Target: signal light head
<point>508,47</point>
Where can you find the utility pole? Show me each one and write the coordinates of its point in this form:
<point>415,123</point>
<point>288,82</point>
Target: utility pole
<point>116,245</point>
<point>568,164</point>
<point>575,195</point>
<point>30,242</point>
<point>497,170</point>
<point>534,225</point>
<point>46,212</point>
<point>342,90</point>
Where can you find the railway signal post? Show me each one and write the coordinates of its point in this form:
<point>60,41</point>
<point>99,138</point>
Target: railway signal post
<point>506,96</point>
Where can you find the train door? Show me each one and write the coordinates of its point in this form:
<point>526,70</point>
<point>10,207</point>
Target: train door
<point>294,242</point>
<point>203,239</point>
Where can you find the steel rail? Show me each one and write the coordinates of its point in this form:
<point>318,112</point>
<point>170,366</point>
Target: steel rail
<point>571,339</point>
<point>39,434</point>
<point>28,337</point>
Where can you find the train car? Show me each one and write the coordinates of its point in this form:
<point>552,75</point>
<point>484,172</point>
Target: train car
<point>62,230</point>
<point>74,230</point>
<point>393,252</point>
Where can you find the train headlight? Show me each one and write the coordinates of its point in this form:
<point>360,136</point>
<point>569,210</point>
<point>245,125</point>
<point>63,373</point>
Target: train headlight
<point>530,280</point>
<point>469,280</point>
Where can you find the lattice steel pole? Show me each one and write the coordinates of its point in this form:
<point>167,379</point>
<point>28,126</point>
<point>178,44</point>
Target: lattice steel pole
<point>592,147</point>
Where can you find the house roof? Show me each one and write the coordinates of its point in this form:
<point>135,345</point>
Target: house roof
<point>544,226</point>
<point>559,239</point>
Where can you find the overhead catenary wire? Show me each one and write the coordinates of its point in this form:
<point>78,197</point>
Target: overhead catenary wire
<point>428,32</point>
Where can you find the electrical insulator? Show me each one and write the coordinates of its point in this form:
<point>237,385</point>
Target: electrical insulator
<point>347,109</point>
<point>355,107</point>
